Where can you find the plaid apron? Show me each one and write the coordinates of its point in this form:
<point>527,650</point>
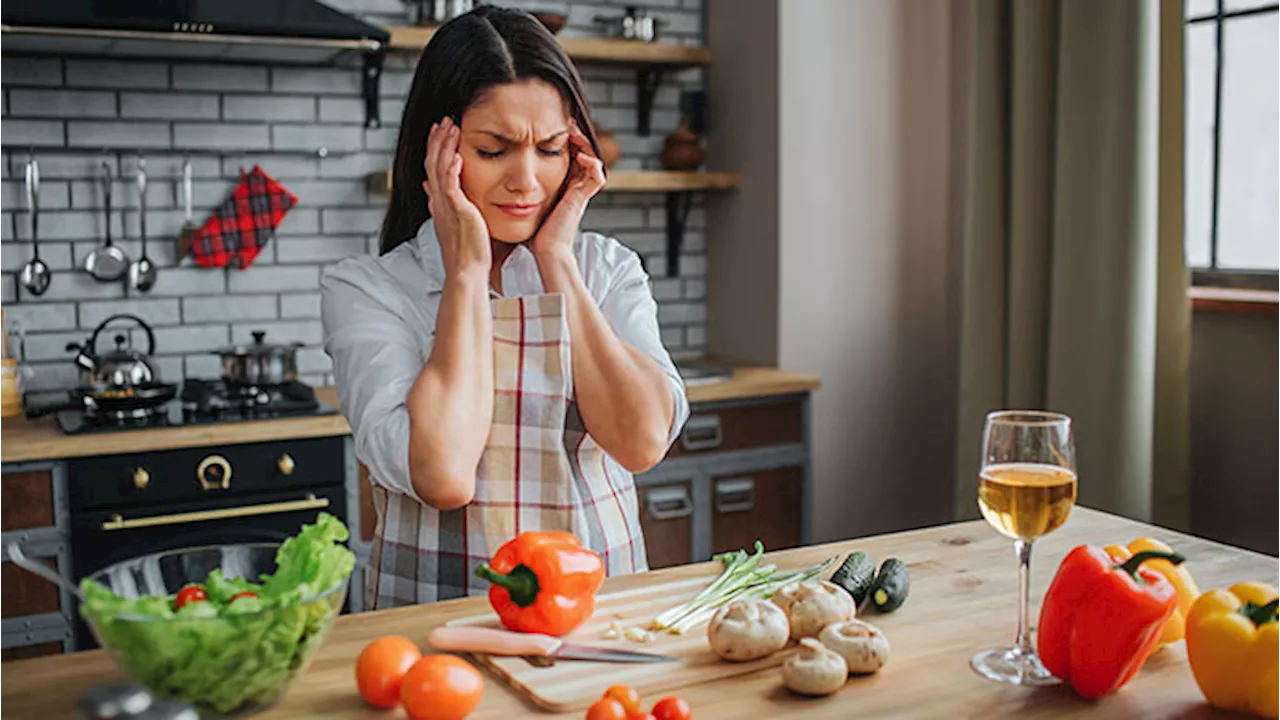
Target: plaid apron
<point>540,471</point>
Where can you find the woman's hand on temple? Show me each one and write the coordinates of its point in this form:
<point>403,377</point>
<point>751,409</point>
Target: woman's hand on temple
<point>460,228</point>
<point>586,177</point>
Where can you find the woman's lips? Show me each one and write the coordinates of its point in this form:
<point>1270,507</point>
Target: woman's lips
<point>518,209</point>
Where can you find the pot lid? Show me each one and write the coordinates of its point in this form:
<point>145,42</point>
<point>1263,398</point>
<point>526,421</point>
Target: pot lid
<point>259,346</point>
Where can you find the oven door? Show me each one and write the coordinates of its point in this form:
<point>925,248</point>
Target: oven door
<point>101,538</point>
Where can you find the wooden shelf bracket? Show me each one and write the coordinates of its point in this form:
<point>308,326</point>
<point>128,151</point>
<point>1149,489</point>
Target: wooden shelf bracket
<point>371,77</point>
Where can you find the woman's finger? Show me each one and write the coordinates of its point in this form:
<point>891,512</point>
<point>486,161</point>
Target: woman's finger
<point>448,148</point>
<point>579,140</point>
<point>433,150</point>
<point>591,177</point>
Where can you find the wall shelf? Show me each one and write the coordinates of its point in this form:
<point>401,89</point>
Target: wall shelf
<point>650,59</point>
<point>679,187</point>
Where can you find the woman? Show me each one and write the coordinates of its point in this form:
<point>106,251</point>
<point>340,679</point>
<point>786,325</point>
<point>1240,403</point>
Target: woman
<point>502,371</point>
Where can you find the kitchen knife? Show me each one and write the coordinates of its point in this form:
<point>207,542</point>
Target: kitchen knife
<point>505,642</point>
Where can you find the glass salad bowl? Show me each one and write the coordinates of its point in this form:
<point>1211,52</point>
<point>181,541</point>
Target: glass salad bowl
<point>233,646</point>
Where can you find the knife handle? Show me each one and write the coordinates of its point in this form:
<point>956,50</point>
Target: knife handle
<point>492,642</point>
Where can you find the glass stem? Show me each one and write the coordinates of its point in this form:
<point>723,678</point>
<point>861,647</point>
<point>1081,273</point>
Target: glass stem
<point>1023,549</point>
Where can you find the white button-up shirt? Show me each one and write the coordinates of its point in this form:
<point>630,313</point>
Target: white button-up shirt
<point>380,318</point>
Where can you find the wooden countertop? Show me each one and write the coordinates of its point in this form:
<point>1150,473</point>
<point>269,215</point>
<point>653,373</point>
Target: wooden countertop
<point>963,600</point>
<point>24,440</point>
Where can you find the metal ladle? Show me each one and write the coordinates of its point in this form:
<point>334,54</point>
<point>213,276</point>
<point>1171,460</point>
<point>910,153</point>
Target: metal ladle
<point>142,273</point>
<point>107,263</point>
<point>35,274</point>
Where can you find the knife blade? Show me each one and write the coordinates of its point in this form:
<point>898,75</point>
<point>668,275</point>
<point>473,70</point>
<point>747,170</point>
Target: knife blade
<point>504,642</point>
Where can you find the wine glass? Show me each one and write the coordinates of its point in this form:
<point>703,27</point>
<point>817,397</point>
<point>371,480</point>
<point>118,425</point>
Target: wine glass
<point>1026,488</point>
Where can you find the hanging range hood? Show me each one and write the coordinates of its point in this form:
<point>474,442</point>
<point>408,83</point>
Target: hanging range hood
<point>291,31</point>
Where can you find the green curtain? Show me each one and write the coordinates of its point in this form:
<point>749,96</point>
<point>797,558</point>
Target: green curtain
<point>1073,290</point>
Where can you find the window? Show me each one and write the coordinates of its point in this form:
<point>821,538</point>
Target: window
<point>1233,140</point>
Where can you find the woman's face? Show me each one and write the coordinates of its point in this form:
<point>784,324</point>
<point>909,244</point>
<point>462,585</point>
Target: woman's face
<point>515,155</point>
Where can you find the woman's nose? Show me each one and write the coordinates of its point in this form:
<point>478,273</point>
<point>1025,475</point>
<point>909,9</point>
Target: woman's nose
<point>522,174</point>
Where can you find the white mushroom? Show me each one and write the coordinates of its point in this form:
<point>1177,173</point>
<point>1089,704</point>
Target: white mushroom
<point>747,630</point>
<point>864,648</point>
<point>814,670</point>
<point>811,606</point>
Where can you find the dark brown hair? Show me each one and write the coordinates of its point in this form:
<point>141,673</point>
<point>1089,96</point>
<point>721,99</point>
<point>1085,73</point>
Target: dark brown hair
<point>467,56</point>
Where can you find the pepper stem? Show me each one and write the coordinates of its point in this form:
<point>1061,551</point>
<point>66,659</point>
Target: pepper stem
<point>521,583</point>
<point>1261,614</point>
<point>1131,565</point>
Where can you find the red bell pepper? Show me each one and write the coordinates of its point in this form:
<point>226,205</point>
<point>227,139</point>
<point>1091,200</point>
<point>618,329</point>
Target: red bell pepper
<point>543,582</point>
<point>1100,619</point>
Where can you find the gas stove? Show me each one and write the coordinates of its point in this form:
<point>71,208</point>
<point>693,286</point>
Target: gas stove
<point>203,402</point>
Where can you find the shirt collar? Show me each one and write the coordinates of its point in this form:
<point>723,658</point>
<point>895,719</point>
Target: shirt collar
<point>428,248</point>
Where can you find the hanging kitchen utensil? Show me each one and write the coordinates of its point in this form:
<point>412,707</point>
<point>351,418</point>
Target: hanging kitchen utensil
<point>107,263</point>
<point>189,227</point>
<point>35,274</point>
<point>142,273</point>
<point>240,227</point>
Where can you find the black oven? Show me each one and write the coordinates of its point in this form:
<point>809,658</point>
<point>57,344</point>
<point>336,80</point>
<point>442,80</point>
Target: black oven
<point>128,505</point>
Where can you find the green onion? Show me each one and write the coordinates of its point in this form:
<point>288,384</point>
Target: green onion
<point>742,578</point>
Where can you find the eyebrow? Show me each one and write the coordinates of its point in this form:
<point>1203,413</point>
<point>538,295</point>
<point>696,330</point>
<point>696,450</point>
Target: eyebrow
<point>508,141</point>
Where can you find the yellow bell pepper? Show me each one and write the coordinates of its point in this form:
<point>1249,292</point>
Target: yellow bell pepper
<point>1233,641</point>
<point>1178,576</point>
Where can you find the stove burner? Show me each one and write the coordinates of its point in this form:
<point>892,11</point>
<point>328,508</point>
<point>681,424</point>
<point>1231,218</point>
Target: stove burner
<point>125,416</point>
<point>219,396</point>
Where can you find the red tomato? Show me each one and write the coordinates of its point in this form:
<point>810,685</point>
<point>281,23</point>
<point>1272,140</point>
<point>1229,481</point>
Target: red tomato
<point>246,594</point>
<point>607,708</point>
<point>381,667</point>
<point>641,716</point>
<point>672,708</point>
<point>441,687</point>
<point>627,696</point>
<point>189,594</point>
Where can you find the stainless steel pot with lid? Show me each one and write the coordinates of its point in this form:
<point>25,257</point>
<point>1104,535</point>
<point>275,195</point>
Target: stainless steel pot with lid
<point>260,363</point>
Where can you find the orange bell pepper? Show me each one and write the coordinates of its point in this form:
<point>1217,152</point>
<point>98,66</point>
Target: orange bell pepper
<point>543,582</point>
<point>1175,628</point>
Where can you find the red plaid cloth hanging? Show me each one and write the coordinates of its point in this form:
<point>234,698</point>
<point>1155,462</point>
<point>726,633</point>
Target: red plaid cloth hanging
<point>240,227</point>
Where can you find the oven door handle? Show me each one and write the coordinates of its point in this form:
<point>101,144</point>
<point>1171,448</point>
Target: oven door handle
<point>310,502</point>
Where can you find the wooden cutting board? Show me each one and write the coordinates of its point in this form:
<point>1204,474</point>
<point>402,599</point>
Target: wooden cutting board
<point>574,684</point>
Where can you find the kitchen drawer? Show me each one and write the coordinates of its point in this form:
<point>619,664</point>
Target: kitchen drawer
<point>196,473</point>
<point>765,506</point>
<point>31,651</point>
<point>740,427</point>
<point>23,593</point>
<point>666,517</point>
<point>26,500</point>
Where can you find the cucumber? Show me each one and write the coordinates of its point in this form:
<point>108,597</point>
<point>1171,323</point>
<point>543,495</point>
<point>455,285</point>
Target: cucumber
<point>856,575</point>
<point>891,586</point>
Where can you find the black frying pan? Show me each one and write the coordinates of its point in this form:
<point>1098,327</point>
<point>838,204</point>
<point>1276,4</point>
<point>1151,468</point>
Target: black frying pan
<point>107,400</point>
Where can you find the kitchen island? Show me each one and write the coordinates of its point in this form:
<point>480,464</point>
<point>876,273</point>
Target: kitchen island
<point>962,600</point>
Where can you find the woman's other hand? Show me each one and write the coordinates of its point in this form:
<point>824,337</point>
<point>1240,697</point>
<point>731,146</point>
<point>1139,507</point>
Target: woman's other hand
<point>586,177</point>
<point>460,228</point>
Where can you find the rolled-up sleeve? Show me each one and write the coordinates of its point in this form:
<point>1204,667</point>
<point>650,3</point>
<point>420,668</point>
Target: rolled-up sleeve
<point>376,359</point>
<point>629,307</point>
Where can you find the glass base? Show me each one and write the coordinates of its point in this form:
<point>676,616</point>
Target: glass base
<point>1013,666</point>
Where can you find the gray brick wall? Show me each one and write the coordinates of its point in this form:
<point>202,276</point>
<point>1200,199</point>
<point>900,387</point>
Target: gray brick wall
<point>69,108</point>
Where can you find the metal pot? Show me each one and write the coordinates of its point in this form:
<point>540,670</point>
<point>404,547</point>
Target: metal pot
<point>120,369</point>
<point>260,363</point>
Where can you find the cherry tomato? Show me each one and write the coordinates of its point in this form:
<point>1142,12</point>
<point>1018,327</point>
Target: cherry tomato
<point>641,716</point>
<point>672,708</point>
<point>189,594</point>
<point>627,696</point>
<point>381,666</point>
<point>441,687</point>
<point>607,708</point>
<point>245,594</point>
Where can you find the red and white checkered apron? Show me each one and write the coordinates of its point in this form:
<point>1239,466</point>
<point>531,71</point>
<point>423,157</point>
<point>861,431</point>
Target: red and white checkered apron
<point>540,471</point>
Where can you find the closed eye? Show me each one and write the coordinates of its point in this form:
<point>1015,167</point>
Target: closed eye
<point>491,154</point>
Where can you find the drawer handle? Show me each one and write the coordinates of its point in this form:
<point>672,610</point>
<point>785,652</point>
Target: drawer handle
<point>310,502</point>
<point>701,432</point>
<point>668,503</point>
<point>736,495</point>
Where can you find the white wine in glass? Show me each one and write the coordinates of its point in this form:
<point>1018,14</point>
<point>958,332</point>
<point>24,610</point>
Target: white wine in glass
<point>1026,489</point>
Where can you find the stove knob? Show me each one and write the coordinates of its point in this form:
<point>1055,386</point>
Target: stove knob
<point>286,465</point>
<point>141,478</point>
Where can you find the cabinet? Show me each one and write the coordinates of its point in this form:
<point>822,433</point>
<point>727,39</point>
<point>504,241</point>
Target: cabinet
<point>34,614</point>
<point>739,472</point>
